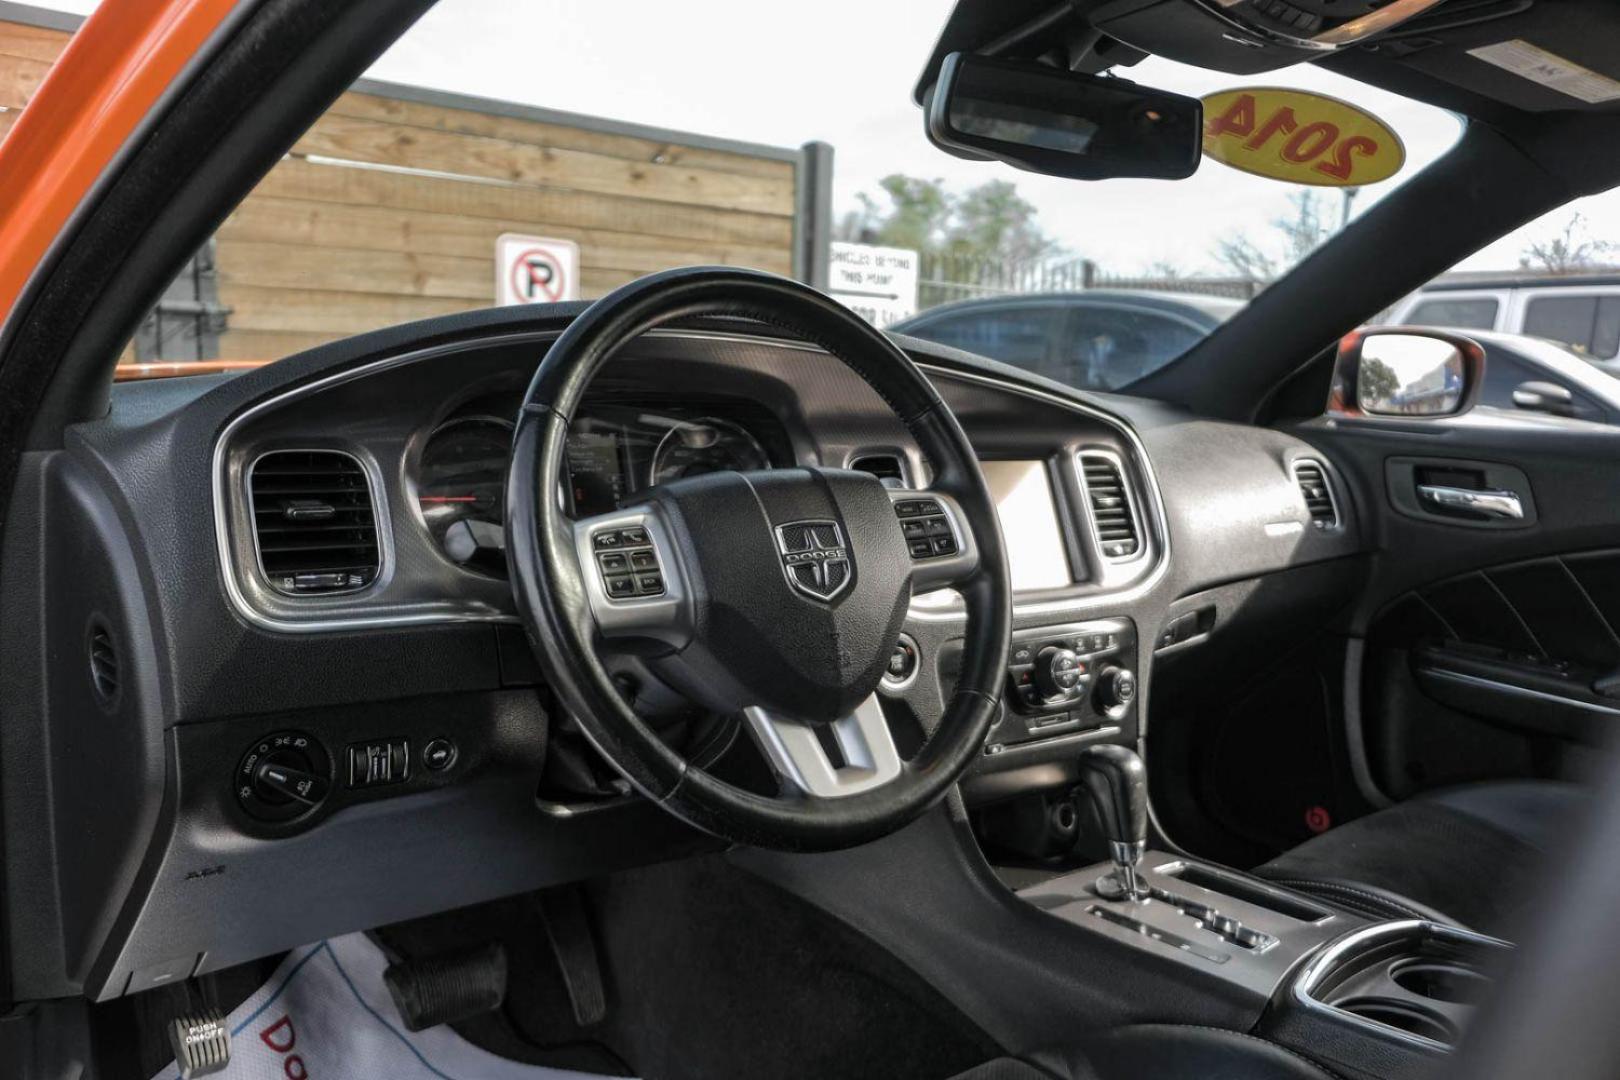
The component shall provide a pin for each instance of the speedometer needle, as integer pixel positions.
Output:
(448, 499)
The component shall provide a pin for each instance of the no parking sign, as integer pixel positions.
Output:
(535, 270)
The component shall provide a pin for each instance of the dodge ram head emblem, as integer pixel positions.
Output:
(815, 558)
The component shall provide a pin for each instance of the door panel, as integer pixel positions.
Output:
(1487, 641)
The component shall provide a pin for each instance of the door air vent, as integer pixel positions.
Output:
(103, 664)
(1318, 494)
(886, 467)
(1113, 514)
(314, 521)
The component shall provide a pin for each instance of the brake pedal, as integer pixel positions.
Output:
(448, 987)
(202, 1044)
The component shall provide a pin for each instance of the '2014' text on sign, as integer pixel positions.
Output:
(1299, 137)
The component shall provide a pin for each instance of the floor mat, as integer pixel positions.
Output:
(326, 1013)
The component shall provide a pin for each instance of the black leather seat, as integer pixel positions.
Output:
(1467, 855)
(1157, 1052)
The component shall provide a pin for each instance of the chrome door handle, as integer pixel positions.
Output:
(1495, 504)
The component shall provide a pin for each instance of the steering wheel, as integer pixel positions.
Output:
(778, 595)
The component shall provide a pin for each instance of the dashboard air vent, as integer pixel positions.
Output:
(314, 521)
(886, 467)
(1113, 515)
(1314, 486)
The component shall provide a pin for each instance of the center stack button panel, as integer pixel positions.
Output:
(1067, 679)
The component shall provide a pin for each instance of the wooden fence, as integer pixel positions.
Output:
(389, 207)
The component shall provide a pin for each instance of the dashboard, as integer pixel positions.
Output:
(306, 559)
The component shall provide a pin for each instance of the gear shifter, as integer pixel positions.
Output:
(1115, 781)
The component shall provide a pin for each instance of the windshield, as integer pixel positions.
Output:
(504, 153)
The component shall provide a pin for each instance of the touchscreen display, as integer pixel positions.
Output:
(1022, 491)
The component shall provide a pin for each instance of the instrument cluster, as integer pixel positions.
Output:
(617, 448)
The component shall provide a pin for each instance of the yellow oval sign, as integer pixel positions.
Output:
(1299, 137)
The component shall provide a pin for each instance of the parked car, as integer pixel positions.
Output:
(1101, 339)
(1582, 311)
(1107, 339)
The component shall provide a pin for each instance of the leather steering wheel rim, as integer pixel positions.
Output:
(550, 587)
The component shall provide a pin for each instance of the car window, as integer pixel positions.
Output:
(1589, 324)
(1018, 335)
(1473, 313)
(1105, 348)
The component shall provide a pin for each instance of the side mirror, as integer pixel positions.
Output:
(1049, 120)
(1407, 372)
(1544, 397)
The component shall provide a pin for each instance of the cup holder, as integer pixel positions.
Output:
(1440, 980)
(1402, 1015)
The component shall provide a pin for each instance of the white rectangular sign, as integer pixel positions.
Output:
(535, 269)
(878, 283)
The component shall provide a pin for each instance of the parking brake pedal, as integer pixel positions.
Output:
(202, 1044)
(448, 987)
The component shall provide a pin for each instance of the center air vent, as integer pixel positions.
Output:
(1314, 486)
(1113, 515)
(886, 467)
(314, 521)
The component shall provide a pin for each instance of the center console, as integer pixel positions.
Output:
(1382, 999)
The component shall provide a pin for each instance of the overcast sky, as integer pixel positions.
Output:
(842, 71)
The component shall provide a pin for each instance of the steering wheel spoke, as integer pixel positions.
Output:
(941, 545)
(796, 752)
(634, 580)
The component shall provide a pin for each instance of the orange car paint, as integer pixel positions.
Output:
(108, 79)
(171, 369)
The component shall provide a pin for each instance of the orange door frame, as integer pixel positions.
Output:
(110, 77)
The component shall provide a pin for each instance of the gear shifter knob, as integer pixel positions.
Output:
(1115, 781)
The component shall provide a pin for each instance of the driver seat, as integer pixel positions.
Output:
(1158, 1051)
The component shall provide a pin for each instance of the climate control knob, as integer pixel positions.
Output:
(1058, 672)
(1116, 688)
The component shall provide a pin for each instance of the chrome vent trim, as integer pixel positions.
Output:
(1116, 524)
(1311, 477)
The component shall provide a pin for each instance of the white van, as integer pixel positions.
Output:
(1582, 312)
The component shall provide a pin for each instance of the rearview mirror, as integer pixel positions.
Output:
(1405, 372)
(1049, 120)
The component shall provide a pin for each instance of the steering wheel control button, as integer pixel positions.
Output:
(283, 776)
(927, 531)
(628, 563)
(438, 755)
